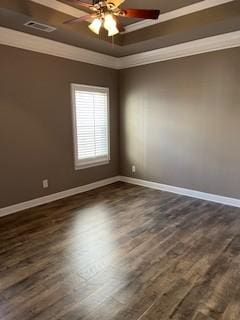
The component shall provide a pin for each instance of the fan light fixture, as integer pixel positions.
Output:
(106, 13)
(110, 25)
(95, 26)
(108, 22)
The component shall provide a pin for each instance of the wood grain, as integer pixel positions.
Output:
(121, 252)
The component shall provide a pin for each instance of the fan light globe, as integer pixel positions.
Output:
(110, 25)
(113, 32)
(95, 26)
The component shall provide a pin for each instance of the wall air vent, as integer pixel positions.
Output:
(39, 26)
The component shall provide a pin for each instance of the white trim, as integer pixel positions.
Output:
(61, 7)
(56, 196)
(92, 164)
(37, 44)
(96, 161)
(209, 44)
(148, 184)
(202, 5)
(30, 42)
(182, 191)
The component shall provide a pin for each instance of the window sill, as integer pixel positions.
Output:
(91, 165)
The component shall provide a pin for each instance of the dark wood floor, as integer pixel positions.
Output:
(121, 252)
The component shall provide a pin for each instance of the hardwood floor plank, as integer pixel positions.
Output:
(121, 252)
(201, 316)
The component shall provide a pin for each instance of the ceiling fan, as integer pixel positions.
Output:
(106, 12)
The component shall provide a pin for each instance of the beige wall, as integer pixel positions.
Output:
(36, 125)
(180, 122)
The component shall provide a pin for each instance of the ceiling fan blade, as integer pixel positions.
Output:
(120, 26)
(141, 13)
(81, 3)
(116, 3)
(77, 20)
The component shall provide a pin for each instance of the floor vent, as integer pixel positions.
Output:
(39, 26)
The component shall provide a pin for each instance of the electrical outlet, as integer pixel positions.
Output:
(133, 169)
(45, 184)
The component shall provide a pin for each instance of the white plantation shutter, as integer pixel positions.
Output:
(91, 125)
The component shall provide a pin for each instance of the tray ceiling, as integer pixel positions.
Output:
(182, 28)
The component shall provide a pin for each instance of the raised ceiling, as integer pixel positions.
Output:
(186, 26)
(163, 5)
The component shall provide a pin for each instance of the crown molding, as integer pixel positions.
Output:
(61, 7)
(202, 5)
(30, 42)
(209, 44)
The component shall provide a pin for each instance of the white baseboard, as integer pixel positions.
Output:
(56, 196)
(182, 191)
(153, 185)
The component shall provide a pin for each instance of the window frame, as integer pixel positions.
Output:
(96, 161)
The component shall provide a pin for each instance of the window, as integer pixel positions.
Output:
(91, 125)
